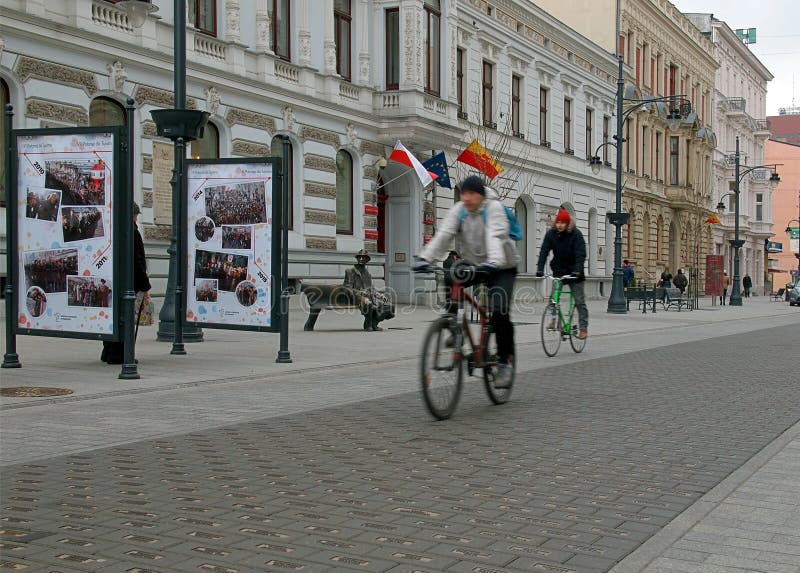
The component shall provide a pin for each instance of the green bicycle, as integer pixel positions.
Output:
(554, 327)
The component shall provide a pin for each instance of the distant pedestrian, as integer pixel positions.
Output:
(680, 281)
(627, 273)
(726, 282)
(452, 257)
(747, 284)
(666, 278)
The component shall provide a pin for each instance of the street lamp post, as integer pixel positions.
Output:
(677, 105)
(736, 243)
(181, 126)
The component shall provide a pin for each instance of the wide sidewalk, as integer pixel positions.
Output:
(227, 355)
(750, 515)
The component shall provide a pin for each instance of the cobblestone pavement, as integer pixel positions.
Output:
(588, 461)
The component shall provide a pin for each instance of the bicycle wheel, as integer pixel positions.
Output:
(490, 369)
(442, 368)
(578, 344)
(551, 329)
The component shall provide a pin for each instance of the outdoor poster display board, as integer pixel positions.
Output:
(715, 266)
(67, 183)
(232, 244)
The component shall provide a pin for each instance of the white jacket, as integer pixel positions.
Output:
(478, 241)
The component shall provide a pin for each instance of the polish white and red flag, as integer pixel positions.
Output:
(404, 156)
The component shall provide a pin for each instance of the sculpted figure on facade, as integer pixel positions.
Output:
(116, 76)
(212, 100)
(352, 135)
(288, 118)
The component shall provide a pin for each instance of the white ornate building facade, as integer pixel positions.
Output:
(740, 105)
(343, 79)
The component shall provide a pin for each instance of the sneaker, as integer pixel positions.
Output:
(551, 325)
(450, 342)
(583, 333)
(503, 376)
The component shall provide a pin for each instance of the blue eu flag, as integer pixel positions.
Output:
(438, 165)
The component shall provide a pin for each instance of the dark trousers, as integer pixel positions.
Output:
(501, 292)
(724, 296)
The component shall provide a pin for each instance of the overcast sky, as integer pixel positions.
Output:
(777, 39)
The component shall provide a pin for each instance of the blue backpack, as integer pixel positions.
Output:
(514, 228)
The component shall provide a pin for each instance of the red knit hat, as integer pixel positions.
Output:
(563, 216)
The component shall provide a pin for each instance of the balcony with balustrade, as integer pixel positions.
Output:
(409, 103)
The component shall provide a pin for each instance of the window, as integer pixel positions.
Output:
(687, 181)
(759, 206)
(703, 108)
(207, 147)
(205, 16)
(638, 66)
(393, 49)
(568, 126)
(488, 88)
(460, 55)
(628, 144)
(432, 30)
(589, 140)
(344, 193)
(105, 111)
(276, 150)
(342, 21)
(544, 117)
(673, 70)
(606, 126)
(673, 160)
(658, 156)
(516, 83)
(281, 22)
(645, 150)
(5, 99)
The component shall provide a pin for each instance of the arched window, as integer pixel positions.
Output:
(5, 98)
(276, 150)
(106, 111)
(630, 236)
(207, 147)
(521, 211)
(646, 240)
(344, 193)
(659, 240)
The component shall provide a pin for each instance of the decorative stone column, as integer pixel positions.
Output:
(329, 45)
(304, 35)
(232, 32)
(263, 27)
(411, 56)
(363, 56)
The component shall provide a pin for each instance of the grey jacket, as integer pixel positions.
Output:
(478, 241)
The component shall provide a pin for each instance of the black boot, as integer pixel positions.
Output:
(375, 321)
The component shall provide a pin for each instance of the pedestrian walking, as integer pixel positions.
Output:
(747, 284)
(680, 281)
(114, 352)
(726, 282)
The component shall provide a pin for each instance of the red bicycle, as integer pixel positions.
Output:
(444, 358)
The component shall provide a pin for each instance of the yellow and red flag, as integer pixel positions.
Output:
(713, 220)
(475, 155)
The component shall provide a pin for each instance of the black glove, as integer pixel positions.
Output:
(539, 274)
(421, 266)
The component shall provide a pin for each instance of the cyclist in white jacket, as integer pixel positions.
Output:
(480, 225)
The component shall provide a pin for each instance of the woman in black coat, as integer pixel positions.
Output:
(114, 352)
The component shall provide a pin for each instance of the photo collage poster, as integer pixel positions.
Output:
(229, 244)
(64, 213)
